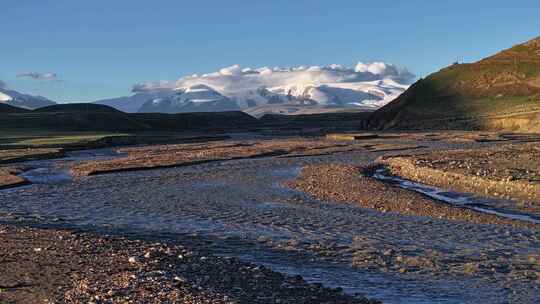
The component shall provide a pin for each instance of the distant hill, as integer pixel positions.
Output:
(101, 118)
(336, 120)
(94, 117)
(297, 109)
(71, 121)
(193, 121)
(78, 108)
(5, 108)
(501, 92)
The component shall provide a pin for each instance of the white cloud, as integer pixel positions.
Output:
(38, 76)
(378, 68)
(234, 70)
(155, 85)
(2, 84)
(235, 78)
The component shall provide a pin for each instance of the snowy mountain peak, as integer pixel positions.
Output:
(5, 97)
(234, 87)
(196, 98)
(21, 100)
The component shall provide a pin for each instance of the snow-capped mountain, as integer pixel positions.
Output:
(4, 97)
(197, 98)
(233, 88)
(21, 100)
(371, 93)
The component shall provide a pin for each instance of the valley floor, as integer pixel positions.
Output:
(262, 211)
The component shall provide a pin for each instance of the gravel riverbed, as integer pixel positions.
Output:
(240, 209)
(59, 266)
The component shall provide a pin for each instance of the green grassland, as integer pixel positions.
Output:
(40, 138)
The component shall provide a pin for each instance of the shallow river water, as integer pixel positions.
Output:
(465, 200)
(241, 208)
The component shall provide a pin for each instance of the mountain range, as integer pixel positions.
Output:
(265, 90)
(297, 90)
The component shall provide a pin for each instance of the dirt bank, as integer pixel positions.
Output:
(9, 178)
(344, 183)
(509, 172)
(19, 155)
(165, 156)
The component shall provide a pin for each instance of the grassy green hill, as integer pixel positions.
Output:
(501, 92)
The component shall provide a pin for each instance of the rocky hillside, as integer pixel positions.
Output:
(501, 92)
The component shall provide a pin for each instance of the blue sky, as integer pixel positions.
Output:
(102, 48)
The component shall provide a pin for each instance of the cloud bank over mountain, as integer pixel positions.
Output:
(234, 79)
